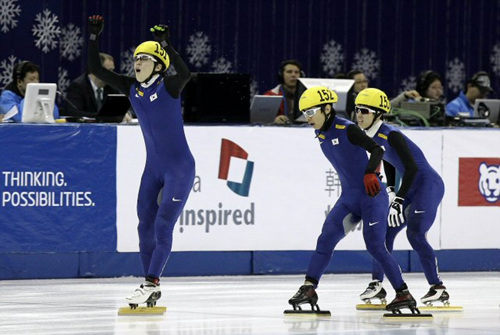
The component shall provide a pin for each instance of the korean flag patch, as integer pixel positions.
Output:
(335, 141)
(153, 97)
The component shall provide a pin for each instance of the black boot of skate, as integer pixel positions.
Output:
(306, 294)
(436, 293)
(403, 300)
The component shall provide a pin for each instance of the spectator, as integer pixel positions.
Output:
(360, 83)
(13, 95)
(478, 87)
(290, 71)
(430, 85)
(87, 93)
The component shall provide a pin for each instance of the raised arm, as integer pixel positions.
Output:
(119, 82)
(173, 84)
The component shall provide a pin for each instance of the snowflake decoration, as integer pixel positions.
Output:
(46, 31)
(198, 49)
(71, 42)
(408, 84)
(495, 59)
(332, 58)
(6, 70)
(222, 65)
(63, 80)
(367, 62)
(8, 12)
(127, 62)
(455, 75)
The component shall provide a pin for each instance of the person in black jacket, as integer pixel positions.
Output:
(87, 93)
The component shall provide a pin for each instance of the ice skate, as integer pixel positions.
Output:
(437, 293)
(373, 291)
(404, 300)
(305, 294)
(147, 293)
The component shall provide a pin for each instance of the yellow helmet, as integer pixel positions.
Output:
(316, 96)
(375, 99)
(154, 49)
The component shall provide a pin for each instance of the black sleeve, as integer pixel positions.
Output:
(174, 84)
(358, 137)
(117, 81)
(390, 174)
(398, 142)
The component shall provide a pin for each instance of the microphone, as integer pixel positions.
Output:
(67, 101)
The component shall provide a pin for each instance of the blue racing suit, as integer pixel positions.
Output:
(422, 190)
(345, 146)
(170, 167)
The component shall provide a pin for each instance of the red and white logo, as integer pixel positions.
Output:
(479, 182)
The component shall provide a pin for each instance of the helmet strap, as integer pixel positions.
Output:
(375, 118)
(328, 118)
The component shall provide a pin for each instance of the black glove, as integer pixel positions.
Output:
(96, 25)
(161, 34)
(396, 217)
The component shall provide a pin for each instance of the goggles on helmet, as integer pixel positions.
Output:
(364, 110)
(311, 111)
(144, 57)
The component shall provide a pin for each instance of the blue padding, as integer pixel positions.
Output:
(208, 263)
(40, 266)
(205, 263)
(288, 262)
(462, 260)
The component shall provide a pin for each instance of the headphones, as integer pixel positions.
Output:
(424, 80)
(19, 70)
(281, 80)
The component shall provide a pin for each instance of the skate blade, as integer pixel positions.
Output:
(441, 308)
(371, 307)
(306, 313)
(158, 310)
(407, 316)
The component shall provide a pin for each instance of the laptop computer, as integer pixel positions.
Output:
(488, 109)
(114, 108)
(264, 108)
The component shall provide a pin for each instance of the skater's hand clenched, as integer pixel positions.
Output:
(96, 25)
(161, 34)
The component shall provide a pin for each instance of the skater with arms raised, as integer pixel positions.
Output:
(169, 171)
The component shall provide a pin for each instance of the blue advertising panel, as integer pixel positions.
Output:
(57, 188)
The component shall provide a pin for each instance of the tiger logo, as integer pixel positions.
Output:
(489, 182)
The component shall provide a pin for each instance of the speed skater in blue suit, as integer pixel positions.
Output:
(170, 167)
(415, 203)
(345, 145)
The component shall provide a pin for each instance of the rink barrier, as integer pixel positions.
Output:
(194, 263)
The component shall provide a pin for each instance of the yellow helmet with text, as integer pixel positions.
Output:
(375, 99)
(316, 96)
(154, 49)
